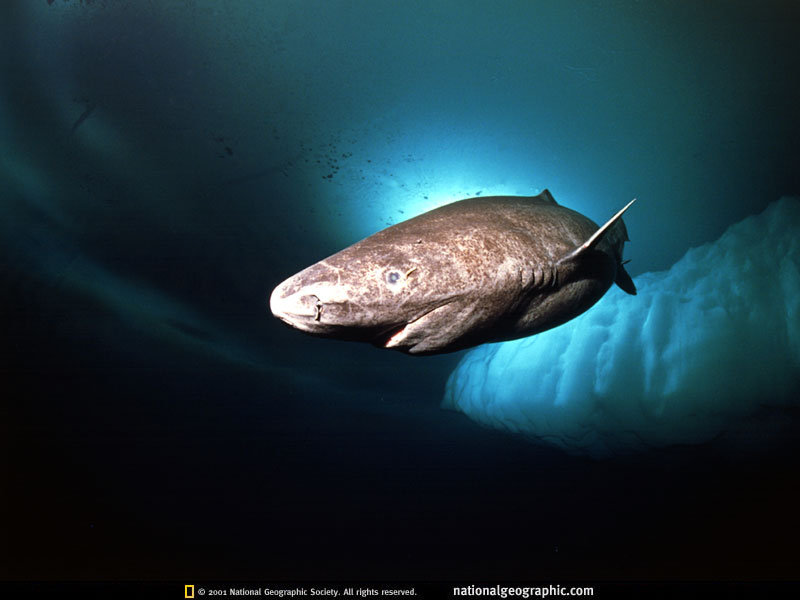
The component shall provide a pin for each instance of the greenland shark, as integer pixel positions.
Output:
(479, 270)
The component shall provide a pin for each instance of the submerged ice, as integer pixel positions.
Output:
(707, 348)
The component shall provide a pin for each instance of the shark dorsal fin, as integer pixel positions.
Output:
(596, 236)
(546, 196)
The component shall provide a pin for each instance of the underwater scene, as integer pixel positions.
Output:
(494, 391)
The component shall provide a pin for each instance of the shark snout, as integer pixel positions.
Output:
(318, 302)
(295, 308)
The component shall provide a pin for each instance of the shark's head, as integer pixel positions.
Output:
(368, 292)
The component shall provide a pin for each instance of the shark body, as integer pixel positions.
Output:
(479, 270)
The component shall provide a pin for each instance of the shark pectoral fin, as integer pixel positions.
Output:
(624, 281)
(394, 340)
(596, 236)
(418, 335)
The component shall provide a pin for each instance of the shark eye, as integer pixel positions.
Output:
(392, 277)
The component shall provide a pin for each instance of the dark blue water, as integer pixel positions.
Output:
(164, 165)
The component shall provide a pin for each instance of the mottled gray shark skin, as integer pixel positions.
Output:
(475, 271)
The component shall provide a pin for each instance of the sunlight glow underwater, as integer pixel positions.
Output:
(709, 347)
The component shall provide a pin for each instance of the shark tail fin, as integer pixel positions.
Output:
(622, 279)
(597, 236)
